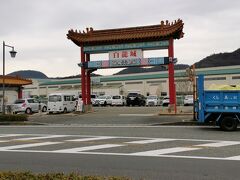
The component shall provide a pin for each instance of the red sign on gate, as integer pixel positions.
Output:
(126, 54)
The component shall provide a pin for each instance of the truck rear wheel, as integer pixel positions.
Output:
(228, 124)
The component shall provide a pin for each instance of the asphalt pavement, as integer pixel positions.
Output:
(134, 116)
(149, 152)
(124, 141)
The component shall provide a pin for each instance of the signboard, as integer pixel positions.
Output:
(126, 54)
(118, 63)
(116, 47)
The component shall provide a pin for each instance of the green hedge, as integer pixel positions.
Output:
(13, 117)
(53, 176)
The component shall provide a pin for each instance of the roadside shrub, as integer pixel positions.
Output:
(13, 117)
(53, 176)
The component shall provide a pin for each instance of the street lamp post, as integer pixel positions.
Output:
(13, 54)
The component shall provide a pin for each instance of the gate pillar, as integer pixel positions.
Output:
(88, 82)
(172, 90)
(83, 77)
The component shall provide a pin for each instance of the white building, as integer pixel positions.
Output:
(144, 83)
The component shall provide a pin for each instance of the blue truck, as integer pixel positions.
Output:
(221, 106)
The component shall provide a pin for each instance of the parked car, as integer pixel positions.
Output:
(135, 99)
(28, 105)
(119, 100)
(188, 100)
(93, 99)
(61, 102)
(103, 100)
(165, 101)
(153, 100)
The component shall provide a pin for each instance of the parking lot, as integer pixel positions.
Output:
(110, 115)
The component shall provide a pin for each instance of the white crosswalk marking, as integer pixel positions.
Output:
(233, 158)
(73, 144)
(3, 141)
(150, 141)
(91, 139)
(27, 145)
(87, 148)
(11, 135)
(42, 137)
(135, 115)
(219, 144)
(164, 151)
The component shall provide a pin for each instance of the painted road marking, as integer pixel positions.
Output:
(150, 141)
(137, 115)
(91, 139)
(234, 158)
(164, 151)
(3, 141)
(87, 148)
(4, 148)
(42, 137)
(11, 135)
(219, 144)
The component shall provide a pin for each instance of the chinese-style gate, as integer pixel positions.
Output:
(124, 44)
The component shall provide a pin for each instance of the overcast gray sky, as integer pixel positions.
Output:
(38, 28)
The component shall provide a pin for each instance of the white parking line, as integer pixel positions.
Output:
(91, 139)
(219, 144)
(164, 151)
(42, 137)
(151, 141)
(87, 148)
(5, 148)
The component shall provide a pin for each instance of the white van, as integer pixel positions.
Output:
(61, 102)
(119, 100)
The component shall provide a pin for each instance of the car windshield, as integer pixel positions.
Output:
(93, 96)
(116, 97)
(152, 97)
(132, 94)
(54, 98)
(189, 97)
(102, 97)
(19, 101)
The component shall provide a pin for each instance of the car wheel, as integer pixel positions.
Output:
(28, 111)
(44, 109)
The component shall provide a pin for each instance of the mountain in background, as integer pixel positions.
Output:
(221, 59)
(215, 60)
(29, 74)
(76, 76)
(151, 69)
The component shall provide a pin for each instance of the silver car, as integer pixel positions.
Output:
(28, 106)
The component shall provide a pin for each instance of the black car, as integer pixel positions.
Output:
(135, 99)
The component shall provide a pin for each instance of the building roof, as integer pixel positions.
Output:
(15, 81)
(162, 31)
(154, 75)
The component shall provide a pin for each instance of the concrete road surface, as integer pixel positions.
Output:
(147, 152)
